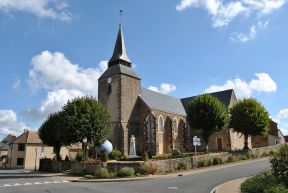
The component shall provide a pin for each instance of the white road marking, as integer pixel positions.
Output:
(35, 183)
(172, 188)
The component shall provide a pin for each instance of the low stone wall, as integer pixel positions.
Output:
(166, 165)
(192, 162)
(114, 166)
(47, 165)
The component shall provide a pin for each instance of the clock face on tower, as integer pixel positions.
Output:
(109, 80)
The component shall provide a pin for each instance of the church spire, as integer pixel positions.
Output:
(119, 55)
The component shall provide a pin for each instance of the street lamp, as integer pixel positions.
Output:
(84, 154)
(35, 158)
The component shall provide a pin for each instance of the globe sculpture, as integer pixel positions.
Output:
(106, 146)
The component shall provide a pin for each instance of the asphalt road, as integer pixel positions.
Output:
(202, 182)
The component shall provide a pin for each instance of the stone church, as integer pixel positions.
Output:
(157, 121)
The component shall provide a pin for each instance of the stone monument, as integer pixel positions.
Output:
(132, 149)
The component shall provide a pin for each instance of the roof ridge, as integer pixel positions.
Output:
(160, 93)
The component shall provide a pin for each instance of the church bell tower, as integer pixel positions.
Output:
(118, 90)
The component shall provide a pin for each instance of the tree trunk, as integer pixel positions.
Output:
(57, 152)
(245, 142)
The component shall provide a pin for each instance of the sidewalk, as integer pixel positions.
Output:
(232, 186)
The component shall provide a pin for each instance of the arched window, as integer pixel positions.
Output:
(160, 124)
(150, 128)
(175, 126)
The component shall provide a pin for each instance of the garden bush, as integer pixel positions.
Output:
(149, 168)
(277, 189)
(116, 154)
(217, 160)
(232, 158)
(102, 172)
(279, 164)
(183, 166)
(79, 155)
(126, 172)
(258, 183)
(145, 156)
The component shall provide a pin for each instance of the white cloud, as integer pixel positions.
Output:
(243, 89)
(52, 103)
(165, 88)
(283, 114)
(281, 120)
(254, 29)
(17, 84)
(63, 81)
(9, 123)
(223, 12)
(52, 71)
(55, 9)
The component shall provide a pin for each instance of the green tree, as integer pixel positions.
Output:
(52, 132)
(86, 118)
(249, 117)
(207, 113)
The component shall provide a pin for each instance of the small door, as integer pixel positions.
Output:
(219, 144)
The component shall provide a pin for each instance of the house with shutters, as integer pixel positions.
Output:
(157, 121)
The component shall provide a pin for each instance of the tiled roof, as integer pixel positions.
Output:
(162, 102)
(29, 137)
(223, 96)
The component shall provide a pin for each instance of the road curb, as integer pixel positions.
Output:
(115, 179)
(236, 183)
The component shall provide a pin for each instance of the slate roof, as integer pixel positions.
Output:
(119, 69)
(29, 137)
(4, 144)
(119, 53)
(162, 102)
(224, 96)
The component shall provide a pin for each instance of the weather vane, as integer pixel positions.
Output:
(120, 17)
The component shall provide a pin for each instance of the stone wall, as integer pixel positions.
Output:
(167, 165)
(90, 168)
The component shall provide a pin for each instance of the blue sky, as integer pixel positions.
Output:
(54, 50)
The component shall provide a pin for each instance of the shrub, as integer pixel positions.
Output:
(145, 156)
(126, 172)
(208, 162)
(258, 183)
(272, 152)
(148, 168)
(102, 172)
(201, 163)
(105, 156)
(116, 154)
(232, 158)
(205, 162)
(265, 154)
(277, 189)
(182, 166)
(217, 160)
(279, 164)
(79, 156)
